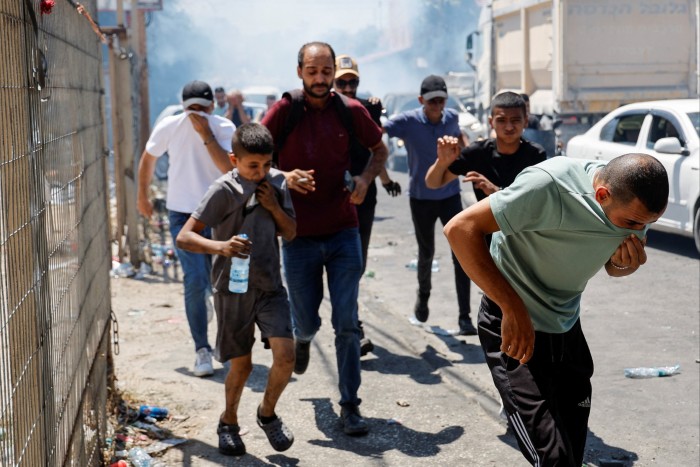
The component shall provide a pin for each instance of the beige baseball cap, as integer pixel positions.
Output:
(345, 64)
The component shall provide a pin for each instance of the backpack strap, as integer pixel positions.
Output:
(343, 107)
(296, 112)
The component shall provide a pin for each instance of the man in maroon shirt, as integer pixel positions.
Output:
(315, 155)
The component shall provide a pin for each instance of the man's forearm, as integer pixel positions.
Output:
(466, 237)
(434, 178)
(376, 162)
(147, 166)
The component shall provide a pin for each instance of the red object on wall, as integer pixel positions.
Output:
(47, 6)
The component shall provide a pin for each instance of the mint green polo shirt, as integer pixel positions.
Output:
(554, 237)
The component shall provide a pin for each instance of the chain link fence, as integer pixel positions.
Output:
(55, 254)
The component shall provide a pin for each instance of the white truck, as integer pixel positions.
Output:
(580, 59)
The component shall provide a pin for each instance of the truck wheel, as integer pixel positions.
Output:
(696, 229)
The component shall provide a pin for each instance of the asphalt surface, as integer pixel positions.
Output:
(427, 394)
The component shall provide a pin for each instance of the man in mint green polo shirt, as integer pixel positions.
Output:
(554, 228)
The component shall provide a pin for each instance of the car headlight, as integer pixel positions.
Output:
(476, 126)
(400, 143)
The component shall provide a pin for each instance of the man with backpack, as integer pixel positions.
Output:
(313, 130)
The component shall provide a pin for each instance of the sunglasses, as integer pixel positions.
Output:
(341, 83)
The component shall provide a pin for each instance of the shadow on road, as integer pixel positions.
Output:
(385, 435)
(676, 244)
(471, 353)
(597, 452)
(197, 450)
(414, 367)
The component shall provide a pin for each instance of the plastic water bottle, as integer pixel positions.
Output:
(139, 457)
(652, 372)
(238, 278)
(152, 411)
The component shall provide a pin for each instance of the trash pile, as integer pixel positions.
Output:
(140, 437)
(163, 255)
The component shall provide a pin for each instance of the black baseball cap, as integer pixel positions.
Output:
(433, 86)
(197, 92)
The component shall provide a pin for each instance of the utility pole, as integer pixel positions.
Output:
(139, 39)
(126, 141)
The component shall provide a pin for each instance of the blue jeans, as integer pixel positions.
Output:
(196, 269)
(340, 254)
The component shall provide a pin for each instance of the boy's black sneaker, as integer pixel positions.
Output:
(230, 442)
(302, 350)
(366, 346)
(421, 310)
(468, 329)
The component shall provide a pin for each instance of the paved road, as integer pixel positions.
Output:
(428, 395)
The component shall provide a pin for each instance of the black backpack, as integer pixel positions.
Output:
(296, 113)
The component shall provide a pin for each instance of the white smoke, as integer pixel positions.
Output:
(237, 43)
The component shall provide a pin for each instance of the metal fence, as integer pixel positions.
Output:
(54, 238)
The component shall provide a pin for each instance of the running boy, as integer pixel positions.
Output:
(251, 199)
(491, 164)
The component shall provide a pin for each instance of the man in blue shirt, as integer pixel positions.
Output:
(420, 129)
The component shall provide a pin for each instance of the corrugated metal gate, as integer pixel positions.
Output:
(54, 247)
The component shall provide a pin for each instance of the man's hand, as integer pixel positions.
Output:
(201, 126)
(373, 100)
(144, 205)
(481, 183)
(301, 181)
(517, 335)
(628, 257)
(266, 196)
(447, 150)
(358, 194)
(392, 187)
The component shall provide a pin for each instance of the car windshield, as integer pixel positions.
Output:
(695, 121)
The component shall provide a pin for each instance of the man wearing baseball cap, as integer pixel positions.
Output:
(197, 144)
(347, 79)
(419, 129)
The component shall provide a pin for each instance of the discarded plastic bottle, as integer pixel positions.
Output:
(238, 278)
(413, 265)
(652, 372)
(139, 457)
(158, 413)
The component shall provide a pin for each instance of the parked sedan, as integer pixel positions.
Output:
(668, 130)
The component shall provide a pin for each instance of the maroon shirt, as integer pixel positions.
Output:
(320, 141)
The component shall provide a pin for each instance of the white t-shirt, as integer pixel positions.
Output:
(191, 169)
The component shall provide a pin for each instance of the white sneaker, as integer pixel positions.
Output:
(202, 364)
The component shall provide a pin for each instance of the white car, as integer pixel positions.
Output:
(258, 94)
(668, 130)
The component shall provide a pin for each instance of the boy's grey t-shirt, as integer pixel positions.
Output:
(224, 209)
(554, 237)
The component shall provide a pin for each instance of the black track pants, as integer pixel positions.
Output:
(547, 400)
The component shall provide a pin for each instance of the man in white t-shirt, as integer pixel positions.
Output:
(198, 144)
